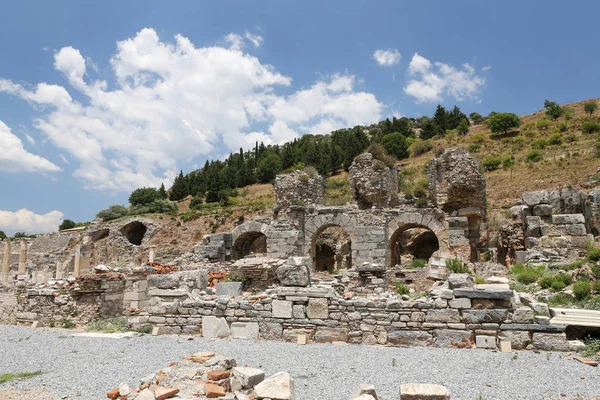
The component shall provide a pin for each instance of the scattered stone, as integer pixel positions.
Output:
(248, 377)
(213, 391)
(365, 389)
(277, 387)
(217, 375)
(422, 391)
(587, 361)
(164, 392)
(113, 394)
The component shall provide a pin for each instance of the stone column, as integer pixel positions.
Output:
(77, 261)
(5, 262)
(151, 254)
(22, 257)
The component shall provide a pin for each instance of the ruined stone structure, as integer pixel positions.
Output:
(298, 188)
(372, 183)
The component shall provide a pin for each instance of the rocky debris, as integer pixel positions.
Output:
(372, 183)
(587, 361)
(299, 188)
(456, 281)
(365, 392)
(162, 268)
(456, 181)
(205, 375)
(295, 272)
(422, 391)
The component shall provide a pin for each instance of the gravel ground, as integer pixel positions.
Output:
(92, 366)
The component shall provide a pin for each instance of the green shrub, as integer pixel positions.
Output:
(564, 278)
(539, 144)
(582, 289)
(157, 206)
(534, 156)
(417, 263)
(590, 127)
(592, 347)
(530, 133)
(109, 325)
(474, 147)
(593, 303)
(573, 265)
(570, 138)
(528, 276)
(402, 289)
(491, 163)
(67, 323)
(144, 196)
(563, 127)
(146, 328)
(555, 139)
(558, 285)
(379, 153)
(112, 213)
(420, 146)
(559, 300)
(478, 138)
(479, 280)
(508, 162)
(596, 271)
(543, 124)
(546, 282)
(197, 201)
(456, 266)
(593, 251)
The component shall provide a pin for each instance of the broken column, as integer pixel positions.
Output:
(76, 266)
(22, 257)
(151, 254)
(5, 262)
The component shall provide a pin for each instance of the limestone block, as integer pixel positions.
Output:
(505, 346)
(568, 219)
(460, 303)
(317, 309)
(532, 199)
(484, 316)
(456, 281)
(271, 330)
(452, 338)
(328, 335)
(485, 342)
(447, 315)
(423, 391)
(298, 312)
(244, 330)
(523, 315)
(230, 289)
(550, 341)
(540, 309)
(365, 389)
(213, 327)
(248, 377)
(484, 294)
(542, 210)
(293, 275)
(279, 386)
(281, 309)
(410, 338)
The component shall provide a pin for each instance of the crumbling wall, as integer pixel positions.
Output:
(298, 188)
(372, 183)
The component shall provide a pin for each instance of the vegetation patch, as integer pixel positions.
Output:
(20, 375)
(109, 325)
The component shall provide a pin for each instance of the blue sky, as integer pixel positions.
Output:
(97, 98)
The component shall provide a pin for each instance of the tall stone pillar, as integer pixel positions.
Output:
(22, 257)
(76, 266)
(5, 262)
(151, 254)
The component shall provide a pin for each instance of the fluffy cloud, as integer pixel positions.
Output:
(172, 102)
(14, 157)
(430, 82)
(387, 57)
(27, 221)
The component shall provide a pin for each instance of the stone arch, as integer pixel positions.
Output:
(134, 232)
(315, 226)
(434, 236)
(250, 237)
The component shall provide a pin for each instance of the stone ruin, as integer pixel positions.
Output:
(322, 274)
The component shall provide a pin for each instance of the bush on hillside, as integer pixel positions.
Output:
(395, 145)
(379, 153)
(111, 213)
(539, 144)
(503, 122)
(491, 163)
(156, 207)
(476, 118)
(582, 289)
(590, 127)
(543, 124)
(563, 127)
(555, 139)
(534, 156)
(143, 196)
(420, 146)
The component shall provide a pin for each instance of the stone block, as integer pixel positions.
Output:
(423, 391)
(532, 199)
(279, 386)
(230, 289)
(485, 342)
(328, 335)
(410, 338)
(452, 338)
(248, 377)
(540, 309)
(293, 275)
(213, 327)
(271, 330)
(456, 281)
(517, 339)
(523, 315)
(447, 315)
(244, 330)
(550, 341)
(542, 210)
(156, 331)
(568, 219)
(281, 309)
(317, 309)
(484, 294)
(460, 303)
(484, 316)
(505, 346)
(302, 339)
(298, 311)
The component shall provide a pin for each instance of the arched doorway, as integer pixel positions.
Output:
(248, 243)
(331, 249)
(412, 242)
(134, 232)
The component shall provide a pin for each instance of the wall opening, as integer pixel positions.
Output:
(134, 232)
(248, 243)
(331, 249)
(412, 243)
(99, 234)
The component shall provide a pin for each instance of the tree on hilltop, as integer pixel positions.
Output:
(553, 109)
(503, 122)
(590, 107)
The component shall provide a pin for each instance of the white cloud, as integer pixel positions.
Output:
(30, 139)
(172, 102)
(63, 158)
(27, 221)
(14, 157)
(255, 39)
(387, 57)
(486, 68)
(431, 82)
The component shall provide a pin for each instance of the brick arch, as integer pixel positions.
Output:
(242, 236)
(317, 224)
(416, 220)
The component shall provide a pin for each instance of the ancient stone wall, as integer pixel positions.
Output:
(372, 183)
(458, 317)
(299, 188)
